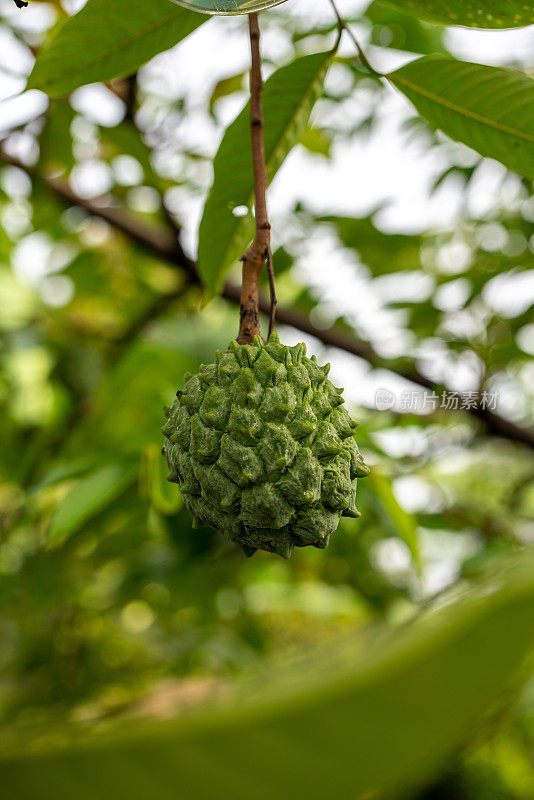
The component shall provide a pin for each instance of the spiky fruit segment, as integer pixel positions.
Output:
(262, 448)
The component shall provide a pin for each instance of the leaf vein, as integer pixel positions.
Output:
(460, 109)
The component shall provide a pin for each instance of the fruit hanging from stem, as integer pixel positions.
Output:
(262, 448)
(259, 441)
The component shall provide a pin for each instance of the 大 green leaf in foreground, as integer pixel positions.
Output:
(486, 108)
(89, 496)
(289, 97)
(109, 40)
(469, 13)
(376, 717)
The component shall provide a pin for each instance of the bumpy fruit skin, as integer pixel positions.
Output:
(263, 450)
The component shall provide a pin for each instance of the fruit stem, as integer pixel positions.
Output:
(260, 250)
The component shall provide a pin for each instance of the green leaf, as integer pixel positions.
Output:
(383, 253)
(488, 109)
(63, 471)
(89, 496)
(469, 13)
(109, 40)
(403, 32)
(316, 141)
(126, 138)
(289, 97)
(55, 142)
(403, 523)
(164, 496)
(226, 87)
(375, 716)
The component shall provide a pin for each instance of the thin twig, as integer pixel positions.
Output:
(254, 259)
(272, 291)
(342, 25)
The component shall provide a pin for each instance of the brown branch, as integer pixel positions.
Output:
(254, 259)
(126, 90)
(164, 244)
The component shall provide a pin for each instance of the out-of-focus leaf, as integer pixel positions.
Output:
(175, 347)
(397, 705)
(164, 496)
(469, 13)
(18, 302)
(488, 109)
(55, 143)
(282, 262)
(392, 28)
(464, 173)
(226, 87)
(382, 252)
(109, 40)
(290, 94)
(404, 524)
(126, 139)
(316, 141)
(423, 318)
(64, 471)
(89, 496)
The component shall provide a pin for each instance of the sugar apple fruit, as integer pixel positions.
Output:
(263, 450)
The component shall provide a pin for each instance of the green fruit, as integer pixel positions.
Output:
(262, 448)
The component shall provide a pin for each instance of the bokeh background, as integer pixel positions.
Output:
(403, 246)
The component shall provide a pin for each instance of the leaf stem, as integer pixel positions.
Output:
(259, 252)
(342, 25)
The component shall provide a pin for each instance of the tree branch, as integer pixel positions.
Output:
(164, 245)
(254, 259)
